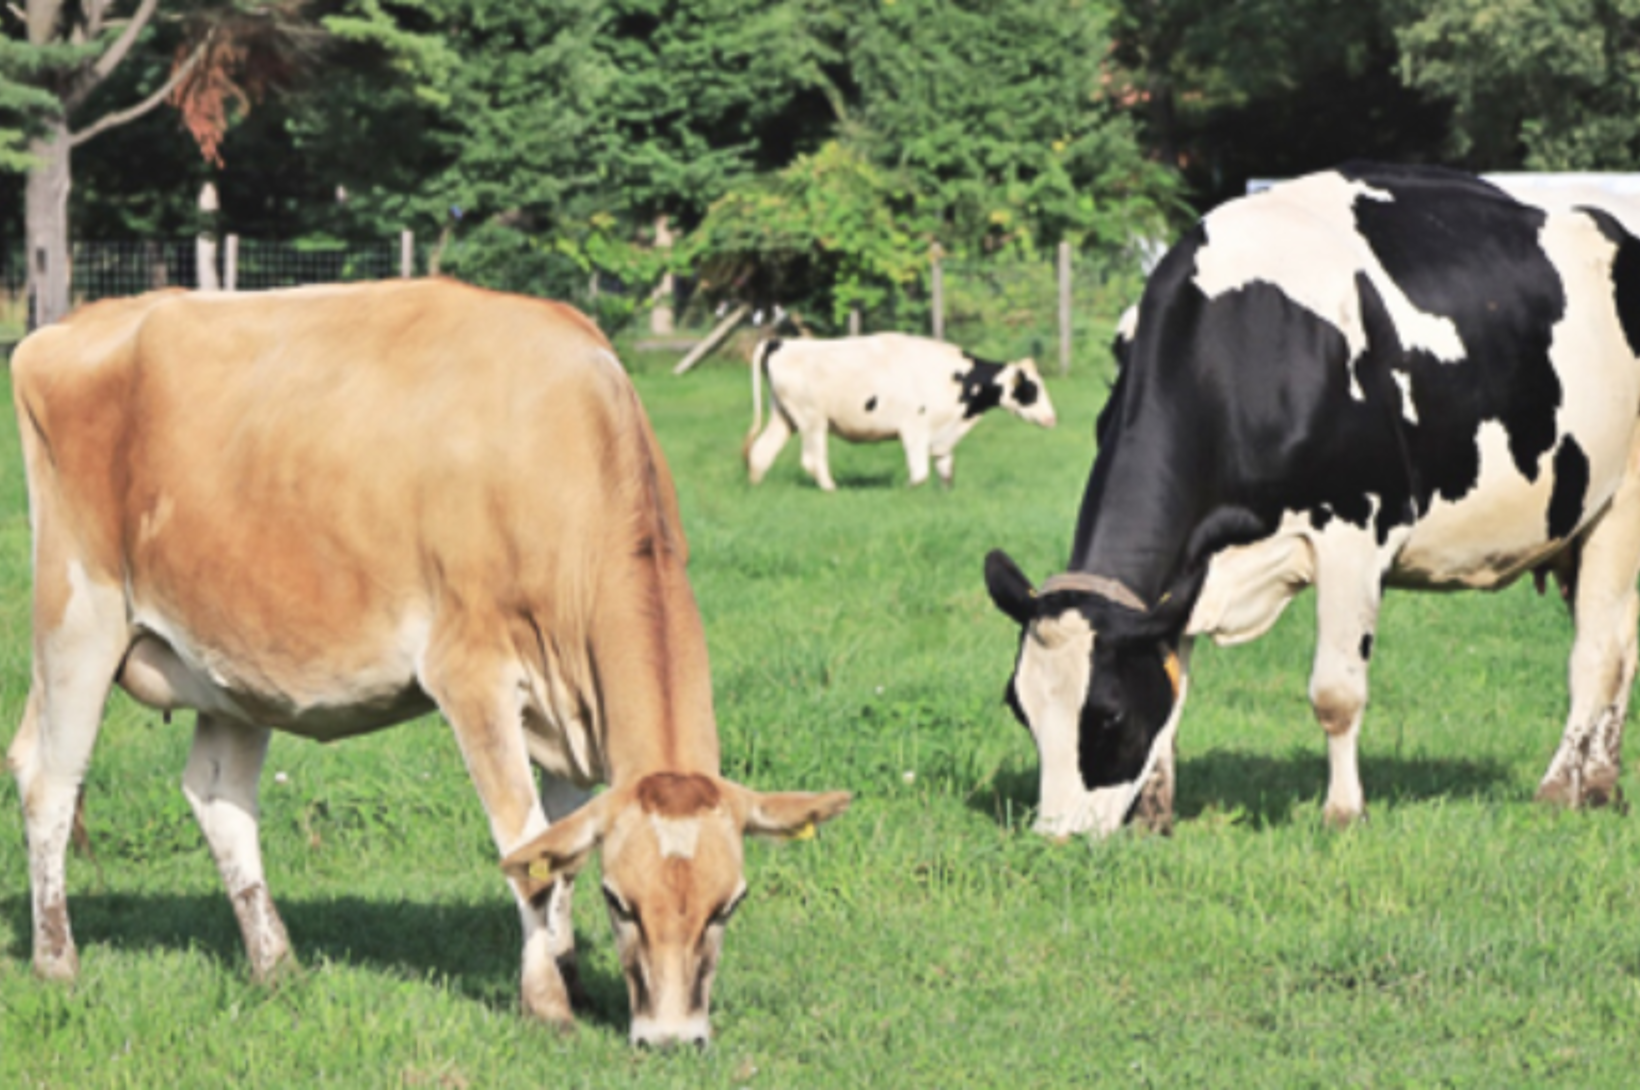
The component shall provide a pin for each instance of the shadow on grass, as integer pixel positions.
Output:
(879, 481)
(1271, 790)
(475, 947)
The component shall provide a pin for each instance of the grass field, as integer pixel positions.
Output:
(1462, 937)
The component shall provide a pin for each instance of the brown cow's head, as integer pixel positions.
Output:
(672, 869)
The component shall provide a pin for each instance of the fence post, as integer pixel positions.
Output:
(407, 253)
(230, 263)
(662, 320)
(937, 289)
(853, 321)
(205, 242)
(1064, 307)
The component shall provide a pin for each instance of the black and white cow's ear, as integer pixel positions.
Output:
(1010, 589)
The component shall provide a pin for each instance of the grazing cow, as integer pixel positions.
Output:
(1369, 377)
(925, 393)
(328, 510)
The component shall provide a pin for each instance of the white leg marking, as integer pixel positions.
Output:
(74, 668)
(220, 783)
(1348, 593)
(767, 446)
(814, 455)
(1601, 672)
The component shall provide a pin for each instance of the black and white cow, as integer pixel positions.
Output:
(925, 393)
(1375, 376)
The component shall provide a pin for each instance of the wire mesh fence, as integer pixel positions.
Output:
(1009, 309)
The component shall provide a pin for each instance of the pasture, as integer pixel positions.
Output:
(1462, 937)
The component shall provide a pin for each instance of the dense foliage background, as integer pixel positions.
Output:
(808, 151)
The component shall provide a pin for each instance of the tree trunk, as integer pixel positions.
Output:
(46, 212)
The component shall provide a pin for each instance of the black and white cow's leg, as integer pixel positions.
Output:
(220, 782)
(476, 688)
(552, 914)
(815, 463)
(75, 659)
(915, 440)
(762, 452)
(1605, 608)
(945, 464)
(1348, 592)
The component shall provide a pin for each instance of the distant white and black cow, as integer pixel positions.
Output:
(1375, 376)
(925, 393)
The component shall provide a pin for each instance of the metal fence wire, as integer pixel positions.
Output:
(1005, 310)
(104, 269)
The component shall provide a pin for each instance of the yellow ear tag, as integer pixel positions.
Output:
(805, 833)
(541, 870)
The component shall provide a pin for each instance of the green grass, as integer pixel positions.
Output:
(1463, 937)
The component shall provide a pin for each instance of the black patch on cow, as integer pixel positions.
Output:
(871, 403)
(773, 344)
(1320, 516)
(1025, 391)
(980, 389)
(1366, 646)
(1625, 275)
(1462, 250)
(1571, 485)
(1129, 700)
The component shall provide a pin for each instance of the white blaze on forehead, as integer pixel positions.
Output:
(677, 836)
(1276, 237)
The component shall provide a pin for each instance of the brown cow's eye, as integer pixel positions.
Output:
(617, 907)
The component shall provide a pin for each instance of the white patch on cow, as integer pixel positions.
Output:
(1127, 326)
(1301, 238)
(677, 836)
(1408, 409)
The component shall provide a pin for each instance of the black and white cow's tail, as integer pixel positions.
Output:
(760, 360)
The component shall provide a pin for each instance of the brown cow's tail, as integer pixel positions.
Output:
(760, 357)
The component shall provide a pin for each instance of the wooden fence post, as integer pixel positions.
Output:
(230, 263)
(853, 321)
(205, 278)
(937, 289)
(1064, 307)
(407, 254)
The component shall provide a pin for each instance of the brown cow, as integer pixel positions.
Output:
(328, 510)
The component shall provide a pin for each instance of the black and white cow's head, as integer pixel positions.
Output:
(1097, 683)
(1015, 386)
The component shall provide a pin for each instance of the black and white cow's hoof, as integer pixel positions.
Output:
(1340, 817)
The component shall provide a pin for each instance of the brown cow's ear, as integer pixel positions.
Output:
(791, 814)
(561, 850)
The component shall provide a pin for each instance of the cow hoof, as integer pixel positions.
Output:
(60, 968)
(546, 999)
(1600, 789)
(280, 970)
(1558, 793)
(1339, 817)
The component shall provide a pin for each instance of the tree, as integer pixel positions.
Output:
(830, 231)
(72, 51)
(996, 111)
(1546, 86)
(1267, 88)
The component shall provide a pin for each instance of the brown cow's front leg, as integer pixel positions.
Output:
(474, 690)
